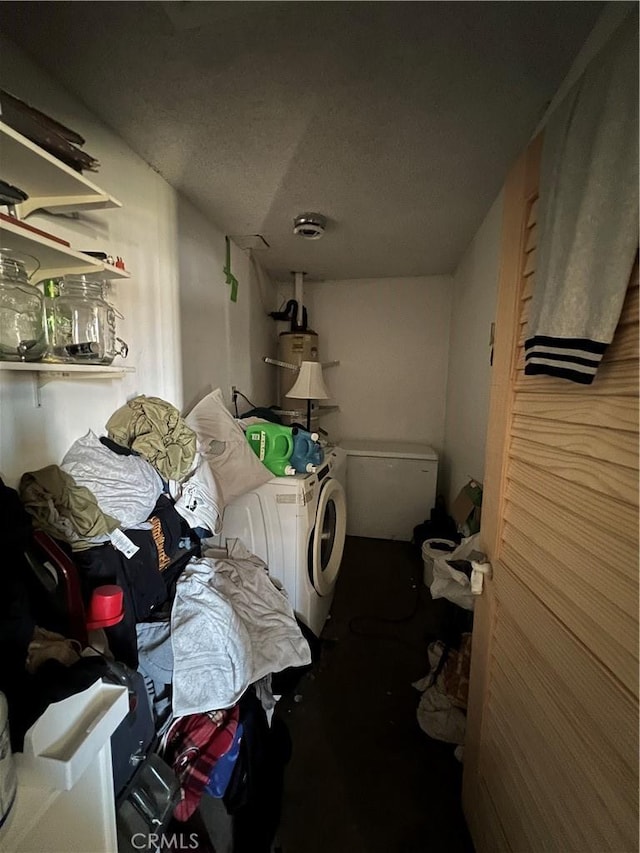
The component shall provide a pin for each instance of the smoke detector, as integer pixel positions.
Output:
(310, 225)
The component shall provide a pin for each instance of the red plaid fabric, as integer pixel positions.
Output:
(192, 746)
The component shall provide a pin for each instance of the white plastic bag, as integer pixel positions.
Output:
(125, 487)
(448, 582)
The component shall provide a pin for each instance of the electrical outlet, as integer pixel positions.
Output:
(234, 391)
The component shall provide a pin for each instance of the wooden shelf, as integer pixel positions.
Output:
(55, 258)
(43, 372)
(108, 371)
(49, 183)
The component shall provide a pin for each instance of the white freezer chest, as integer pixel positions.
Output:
(391, 487)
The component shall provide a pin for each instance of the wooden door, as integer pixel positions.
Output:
(551, 758)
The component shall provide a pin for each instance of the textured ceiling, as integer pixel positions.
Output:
(397, 121)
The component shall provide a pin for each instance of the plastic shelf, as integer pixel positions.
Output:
(65, 798)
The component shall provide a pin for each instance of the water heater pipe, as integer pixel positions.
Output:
(297, 295)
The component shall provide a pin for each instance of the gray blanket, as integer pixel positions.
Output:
(230, 626)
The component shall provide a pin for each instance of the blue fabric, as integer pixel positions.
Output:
(202, 532)
(221, 773)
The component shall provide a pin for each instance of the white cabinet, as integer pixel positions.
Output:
(391, 487)
(65, 800)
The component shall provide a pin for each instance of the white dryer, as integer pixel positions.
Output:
(297, 525)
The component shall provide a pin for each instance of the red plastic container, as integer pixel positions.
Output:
(106, 607)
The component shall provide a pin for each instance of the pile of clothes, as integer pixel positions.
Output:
(227, 631)
(204, 628)
(445, 691)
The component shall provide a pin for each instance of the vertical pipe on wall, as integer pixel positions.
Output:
(297, 295)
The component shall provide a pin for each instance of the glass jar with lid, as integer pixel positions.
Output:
(81, 321)
(22, 333)
(114, 345)
(51, 292)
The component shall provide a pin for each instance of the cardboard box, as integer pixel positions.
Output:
(466, 508)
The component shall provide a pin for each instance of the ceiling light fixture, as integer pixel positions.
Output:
(310, 225)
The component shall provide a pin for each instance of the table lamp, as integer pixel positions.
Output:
(309, 386)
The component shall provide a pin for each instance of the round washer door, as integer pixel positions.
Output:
(327, 543)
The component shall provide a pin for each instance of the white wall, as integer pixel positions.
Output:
(175, 256)
(473, 310)
(391, 337)
(223, 342)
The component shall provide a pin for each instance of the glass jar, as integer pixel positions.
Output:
(81, 321)
(22, 334)
(115, 345)
(51, 292)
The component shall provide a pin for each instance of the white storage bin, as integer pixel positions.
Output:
(391, 487)
(432, 548)
(62, 743)
(65, 798)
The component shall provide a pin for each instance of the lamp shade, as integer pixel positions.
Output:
(309, 385)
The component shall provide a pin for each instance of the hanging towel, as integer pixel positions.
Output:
(588, 216)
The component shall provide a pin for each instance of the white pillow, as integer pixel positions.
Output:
(222, 443)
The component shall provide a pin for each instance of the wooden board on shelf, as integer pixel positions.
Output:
(49, 182)
(55, 259)
(62, 368)
(30, 229)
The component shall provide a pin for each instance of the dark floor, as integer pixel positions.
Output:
(364, 778)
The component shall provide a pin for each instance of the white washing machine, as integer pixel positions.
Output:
(297, 525)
